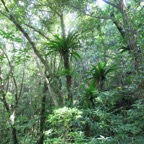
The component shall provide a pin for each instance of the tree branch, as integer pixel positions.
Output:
(22, 83)
(11, 18)
(14, 80)
(90, 15)
(112, 4)
(3, 99)
(47, 82)
(38, 31)
(119, 27)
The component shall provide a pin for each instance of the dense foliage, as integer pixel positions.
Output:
(71, 72)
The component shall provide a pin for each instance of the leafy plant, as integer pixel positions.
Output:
(88, 99)
(63, 121)
(98, 74)
(65, 46)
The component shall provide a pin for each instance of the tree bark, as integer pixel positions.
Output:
(14, 135)
(68, 79)
(43, 115)
(128, 33)
(66, 64)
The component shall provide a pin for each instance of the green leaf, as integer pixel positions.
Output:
(76, 55)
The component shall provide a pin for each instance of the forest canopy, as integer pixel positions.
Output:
(71, 71)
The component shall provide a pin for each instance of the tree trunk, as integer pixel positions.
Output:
(42, 115)
(66, 64)
(87, 130)
(14, 135)
(127, 32)
(68, 79)
(62, 25)
(130, 36)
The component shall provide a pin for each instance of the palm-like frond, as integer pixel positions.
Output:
(64, 46)
(100, 71)
(56, 45)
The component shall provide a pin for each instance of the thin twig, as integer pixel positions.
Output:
(38, 31)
